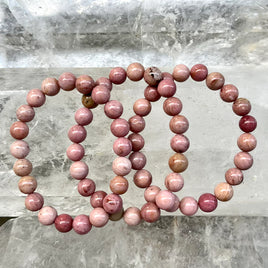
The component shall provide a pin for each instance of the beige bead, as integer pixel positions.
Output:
(178, 163)
(223, 191)
(27, 184)
(22, 167)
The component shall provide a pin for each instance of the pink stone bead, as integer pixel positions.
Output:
(137, 142)
(19, 130)
(119, 185)
(138, 160)
(136, 123)
(178, 124)
(241, 106)
(229, 93)
(132, 216)
(84, 84)
(83, 116)
(25, 113)
(166, 75)
(172, 106)
(243, 160)
(150, 212)
(98, 217)
(64, 223)
(207, 202)
(77, 133)
(67, 81)
(152, 76)
(103, 81)
(118, 75)
(167, 88)
(181, 73)
(151, 192)
(81, 224)
(175, 206)
(113, 109)
(19, 149)
(36, 98)
(121, 166)
(135, 71)
(247, 123)
(79, 170)
(165, 200)
(215, 81)
(199, 72)
(120, 127)
(47, 215)
(100, 94)
(75, 152)
(96, 199)
(174, 182)
(247, 142)
(180, 143)
(151, 94)
(22, 167)
(86, 187)
(50, 86)
(122, 146)
(142, 107)
(234, 176)
(27, 184)
(34, 201)
(112, 203)
(142, 178)
(188, 206)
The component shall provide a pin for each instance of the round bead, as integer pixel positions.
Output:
(223, 191)
(119, 185)
(64, 223)
(86, 187)
(19, 130)
(96, 199)
(19, 149)
(142, 107)
(150, 212)
(181, 73)
(243, 160)
(83, 116)
(118, 75)
(81, 224)
(50, 86)
(207, 202)
(22, 167)
(152, 76)
(25, 113)
(241, 106)
(179, 143)
(165, 200)
(119, 127)
(188, 206)
(113, 109)
(135, 71)
(136, 123)
(100, 94)
(36, 98)
(215, 81)
(175, 206)
(103, 81)
(167, 88)
(79, 170)
(166, 75)
(142, 178)
(34, 201)
(178, 163)
(246, 142)
(67, 81)
(112, 203)
(229, 93)
(247, 123)
(174, 182)
(27, 184)
(77, 133)
(47, 215)
(138, 160)
(132, 216)
(151, 94)
(199, 72)
(151, 192)
(84, 84)
(172, 106)
(178, 124)
(121, 166)
(88, 102)
(98, 217)
(137, 142)
(122, 146)
(234, 176)
(117, 216)
(75, 152)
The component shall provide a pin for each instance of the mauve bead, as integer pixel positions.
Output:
(166, 75)
(79, 170)
(199, 72)
(113, 109)
(98, 217)
(135, 71)
(179, 143)
(86, 187)
(175, 206)
(96, 199)
(122, 146)
(19, 149)
(151, 192)
(64, 223)
(188, 206)
(34, 201)
(81, 224)
(234, 176)
(178, 163)
(136, 123)
(120, 127)
(19, 130)
(178, 124)
(47, 215)
(103, 81)
(247, 123)
(77, 133)
(165, 200)
(67, 81)
(121, 166)
(142, 107)
(243, 160)
(117, 216)
(50, 86)
(152, 76)
(119, 185)
(118, 75)
(22, 167)
(27, 184)
(241, 106)
(207, 202)
(75, 152)
(112, 203)
(88, 102)
(215, 81)
(36, 98)
(137, 142)
(174, 182)
(150, 212)
(229, 93)
(223, 191)
(151, 94)
(181, 73)
(172, 106)
(167, 88)
(100, 94)
(83, 116)
(138, 160)
(25, 113)
(84, 84)
(132, 216)
(247, 142)
(142, 178)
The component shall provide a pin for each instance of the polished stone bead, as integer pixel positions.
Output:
(34, 201)
(247, 123)
(247, 142)
(84, 84)
(121, 166)
(77, 133)
(142, 178)
(83, 116)
(132, 216)
(181, 73)
(178, 124)
(215, 81)
(243, 160)
(50, 86)
(122, 146)
(81, 224)
(138, 160)
(119, 185)
(25, 113)
(151, 94)
(142, 107)
(120, 127)
(135, 71)
(150, 212)
(152, 76)
(36, 98)
(86, 187)
(100, 94)
(136, 123)
(223, 191)
(174, 182)
(166, 88)
(22, 167)
(47, 215)
(64, 223)
(137, 142)
(75, 152)
(234, 176)
(175, 206)
(98, 217)
(241, 106)
(19, 149)
(179, 143)
(112, 203)
(165, 200)
(172, 106)
(79, 170)
(113, 109)
(27, 184)
(103, 81)
(118, 75)
(19, 130)
(188, 206)
(229, 93)
(151, 192)
(199, 72)
(88, 102)
(67, 81)
(96, 199)
(207, 202)
(178, 163)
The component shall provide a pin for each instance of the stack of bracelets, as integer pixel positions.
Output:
(110, 206)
